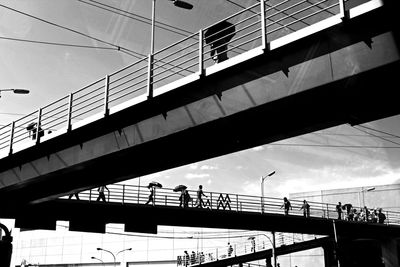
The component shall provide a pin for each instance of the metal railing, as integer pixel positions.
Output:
(130, 194)
(261, 243)
(189, 56)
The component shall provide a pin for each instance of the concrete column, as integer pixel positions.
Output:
(268, 262)
(330, 256)
(391, 252)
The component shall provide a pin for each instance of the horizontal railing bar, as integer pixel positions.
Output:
(134, 91)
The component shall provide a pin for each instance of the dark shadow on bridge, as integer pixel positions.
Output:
(93, 216)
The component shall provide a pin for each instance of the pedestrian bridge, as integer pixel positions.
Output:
(295, 66)
(126, 204)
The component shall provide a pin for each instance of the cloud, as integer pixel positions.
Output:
(191, 176)
(208, 167)
(194, 166)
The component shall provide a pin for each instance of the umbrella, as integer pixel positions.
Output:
(180, 187)
(220, 33)
(31, 126)
(155, 184)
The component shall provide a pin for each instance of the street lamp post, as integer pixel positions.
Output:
(273, 245)
(114, 255)
(262, 189)
(15, 91)
(369, 189)
(177, 3)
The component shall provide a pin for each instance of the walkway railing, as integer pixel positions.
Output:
(255, 243)
(130, 194)
(188, 59)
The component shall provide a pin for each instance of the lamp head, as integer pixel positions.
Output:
(21, 91)
(182, 4)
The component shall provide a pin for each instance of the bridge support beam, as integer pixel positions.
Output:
(268, 262)
(391, 252)
(330, 259)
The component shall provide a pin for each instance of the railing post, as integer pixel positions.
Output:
(123, 194)
(10, 151)
(327, 211)
(38, 128)
(150, 76)
(211, 201)
(343, 13)
(106, 94)
(263, 25)
(237, 203)
(201, 55)
(69, 120)
(90, 195)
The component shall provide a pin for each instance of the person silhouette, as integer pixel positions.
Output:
(151, 196)
(286, 205)
(102, 196)
(200, 202)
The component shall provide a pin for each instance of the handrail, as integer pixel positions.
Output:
(131, 194)
(249, 35)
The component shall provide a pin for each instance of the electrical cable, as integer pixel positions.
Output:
(379, 131)
(137, 17)
(387, 140)
(119, 48)
(57, 44)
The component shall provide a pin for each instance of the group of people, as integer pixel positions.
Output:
(288, 206)
(101, 195)
(361, 215)
(184, 198)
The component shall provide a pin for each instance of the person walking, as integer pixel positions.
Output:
(230, 249)
(151, 196)
(339, 210)
(286, 205)
(306, 209)
(200, 193)
(102, 196)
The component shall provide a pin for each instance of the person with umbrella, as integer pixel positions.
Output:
(152, 187)
(218, 37)
(181, 188)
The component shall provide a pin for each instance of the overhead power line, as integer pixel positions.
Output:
(119, 48)
(385, 139)
(136, 17)
(57, 44)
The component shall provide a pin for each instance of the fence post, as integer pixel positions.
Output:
(69, 120)
(263, 25)
(327, 211)
(150, 76)
(11, 138)
(123, 194)
(342, 7)
(201, 55)
(38, 128)
(106, 94)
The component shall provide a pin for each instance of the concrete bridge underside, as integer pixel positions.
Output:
(346, 73)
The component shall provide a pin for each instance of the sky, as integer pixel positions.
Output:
(339, 157)
(85, 36)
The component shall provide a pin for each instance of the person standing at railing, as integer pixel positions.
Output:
(286, 205)
(102, 196)
(306, 209)
(381, 216)
(230, 249)
(339, 210)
